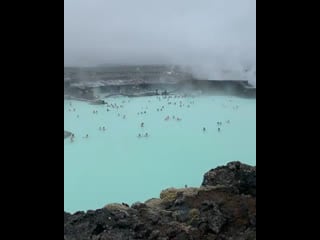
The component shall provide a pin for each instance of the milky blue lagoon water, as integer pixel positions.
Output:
(116, 165)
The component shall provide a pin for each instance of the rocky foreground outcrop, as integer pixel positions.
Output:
(223, 208)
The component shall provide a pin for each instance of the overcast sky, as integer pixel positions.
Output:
(199, 32)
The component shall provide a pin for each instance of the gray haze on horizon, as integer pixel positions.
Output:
(210, 35)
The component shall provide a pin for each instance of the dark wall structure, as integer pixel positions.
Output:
(81, 83)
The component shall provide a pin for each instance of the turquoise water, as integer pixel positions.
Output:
(116, 165)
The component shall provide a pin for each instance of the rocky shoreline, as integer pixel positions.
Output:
(222, 208)
(136, 81)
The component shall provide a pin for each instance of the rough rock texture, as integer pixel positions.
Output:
(242, 176)
(223, 208)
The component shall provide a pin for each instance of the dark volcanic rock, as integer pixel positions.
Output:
(67, 134)
(236, 174)
(80, 83)
(224, 207)
(98, 102)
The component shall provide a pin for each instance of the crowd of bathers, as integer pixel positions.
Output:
(173, 100)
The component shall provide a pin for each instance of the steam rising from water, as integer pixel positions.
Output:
(216, 38)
